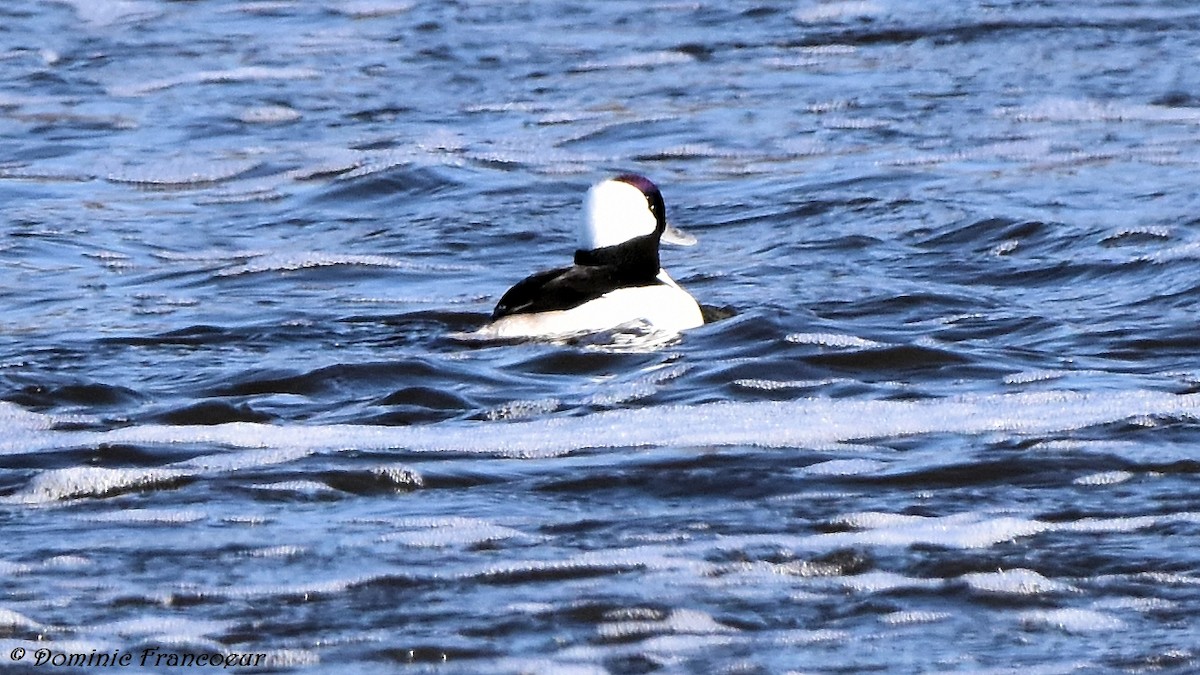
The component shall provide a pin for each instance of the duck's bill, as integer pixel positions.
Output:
(674, 235)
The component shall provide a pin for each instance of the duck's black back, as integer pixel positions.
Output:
(596, 272)
(565, 288)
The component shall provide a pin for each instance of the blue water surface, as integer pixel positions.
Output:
(949, 425)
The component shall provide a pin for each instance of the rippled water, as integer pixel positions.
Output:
(951, 426)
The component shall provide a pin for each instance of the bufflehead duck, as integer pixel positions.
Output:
(616, 278)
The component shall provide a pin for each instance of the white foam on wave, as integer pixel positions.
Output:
(962, 530)
(92, 481)
(1185, 251)
(776, 385)
(621, 393)
(693, 558)
(880, 581)
(1104, 478)
(293, 262)
(1169, 578)
(680, 621)
(169, 628)
(1127, 523)
(17, 420)
(610, 392)
(638, 61)
(843, 11)
(148, 516)
(841, 123)
(306, 488)
(450, 532)
(1071, 110)
(1031, 376)
(913, 617)
(1136, 604)
(269, 114)
(15, 620)
(967, 530)
(845, 467)
(515, 410)
(706, 151)
(1015, 582)
(833, 340)
(805, 423)
(64, 562)
(88, 481)
(1071, 620)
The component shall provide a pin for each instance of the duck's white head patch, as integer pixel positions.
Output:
(616, 211)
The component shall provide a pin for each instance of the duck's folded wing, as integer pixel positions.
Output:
(557, 289)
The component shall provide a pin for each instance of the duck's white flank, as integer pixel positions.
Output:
(665, 307)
